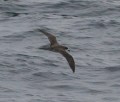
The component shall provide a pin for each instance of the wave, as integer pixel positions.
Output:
(113, 68)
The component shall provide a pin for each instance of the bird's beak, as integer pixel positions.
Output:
(68, 50)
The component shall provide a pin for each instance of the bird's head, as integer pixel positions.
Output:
(66, 48)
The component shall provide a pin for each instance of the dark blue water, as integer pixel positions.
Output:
(91, 30)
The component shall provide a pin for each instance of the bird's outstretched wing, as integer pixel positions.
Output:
(69, 58)
(51, 37)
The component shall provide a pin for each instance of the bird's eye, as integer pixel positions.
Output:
(66, 48)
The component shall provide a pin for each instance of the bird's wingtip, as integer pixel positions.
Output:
(73, 70)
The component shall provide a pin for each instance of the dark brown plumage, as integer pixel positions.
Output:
(54, 45)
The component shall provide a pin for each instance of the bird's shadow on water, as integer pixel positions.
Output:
(113, 68)
(45, 47)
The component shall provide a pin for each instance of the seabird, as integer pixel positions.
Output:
(56, 47)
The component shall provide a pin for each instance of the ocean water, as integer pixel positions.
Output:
(91, 30)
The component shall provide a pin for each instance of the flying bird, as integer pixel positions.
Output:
(56, 47)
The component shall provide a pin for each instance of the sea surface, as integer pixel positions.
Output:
(89, 28)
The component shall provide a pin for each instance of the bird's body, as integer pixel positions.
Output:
(55, 46)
